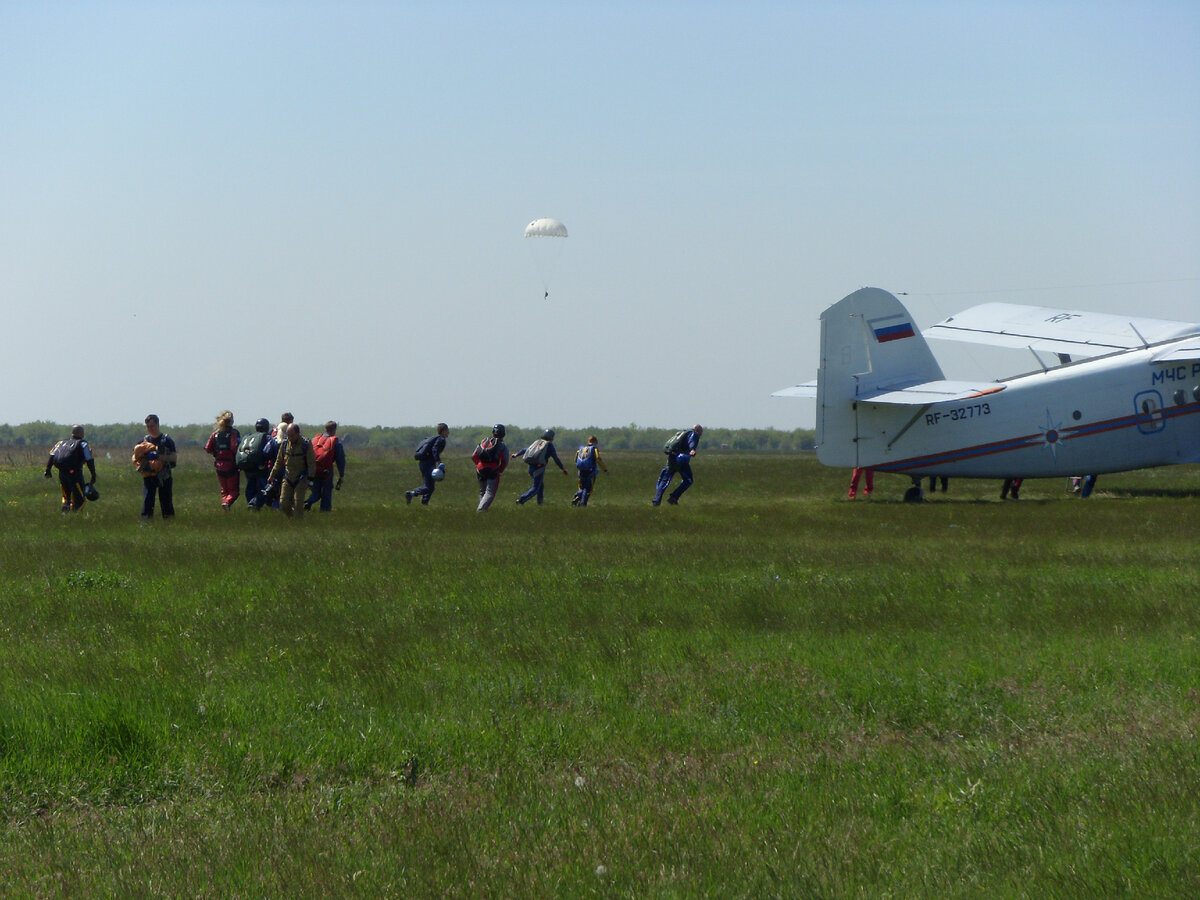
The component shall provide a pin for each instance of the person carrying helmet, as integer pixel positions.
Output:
(255, 456)
(538, 455)
(429, 460)
(491, 459)
(69, 457)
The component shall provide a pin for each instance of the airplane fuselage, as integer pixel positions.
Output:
(1107, 414)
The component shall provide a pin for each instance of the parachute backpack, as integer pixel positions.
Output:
(67, 455)
(676, 444)
(535, 453)
(488, 451)
(145, 459)
(585, 458)
(250, 456)
(323, 450)
(425, 448)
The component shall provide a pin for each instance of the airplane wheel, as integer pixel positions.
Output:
(913, 495)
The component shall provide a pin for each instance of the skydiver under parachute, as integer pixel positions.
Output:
(545, 254)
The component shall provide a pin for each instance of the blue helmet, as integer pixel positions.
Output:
(548, 434)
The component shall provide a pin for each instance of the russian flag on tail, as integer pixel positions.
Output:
(891, 328)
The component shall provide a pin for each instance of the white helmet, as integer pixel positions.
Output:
(438, 474)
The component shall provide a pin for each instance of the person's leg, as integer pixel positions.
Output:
(254, 486)
(230, 487)
(664, 481)
(72, 493)
(487, 491)
(685, 474)
(166, 498)
(149, 487)
(425, 491)
(533, 486)
(430, 484)
(287, 497)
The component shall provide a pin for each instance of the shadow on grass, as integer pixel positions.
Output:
(1165, 493)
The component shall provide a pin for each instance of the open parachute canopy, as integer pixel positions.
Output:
(545, 228)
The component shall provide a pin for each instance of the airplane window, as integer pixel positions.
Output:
(1180, 398)
(1196, 392)
(1077, 415)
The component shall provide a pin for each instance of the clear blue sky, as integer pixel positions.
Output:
(320, 206)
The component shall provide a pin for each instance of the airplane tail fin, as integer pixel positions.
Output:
(869, 344)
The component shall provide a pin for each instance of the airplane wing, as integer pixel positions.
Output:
(1188, 351)
(933, 392)
(808, 390)
(1078, 333)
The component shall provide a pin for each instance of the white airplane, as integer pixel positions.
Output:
(1131, 402)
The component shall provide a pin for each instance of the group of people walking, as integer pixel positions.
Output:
(283, 469)
(491, 458)
(286, 471)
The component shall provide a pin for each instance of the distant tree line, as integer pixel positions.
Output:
(36, 435)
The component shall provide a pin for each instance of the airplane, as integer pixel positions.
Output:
(1123, 393)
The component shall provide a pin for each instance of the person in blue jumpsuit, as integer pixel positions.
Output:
(537, 470)
(429, 457)
(256, 476)
(679, 460)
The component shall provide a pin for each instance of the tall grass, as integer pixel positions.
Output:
(766, 691)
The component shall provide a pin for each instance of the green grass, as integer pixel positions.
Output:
(766, 691)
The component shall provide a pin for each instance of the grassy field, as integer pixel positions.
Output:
(766, 691)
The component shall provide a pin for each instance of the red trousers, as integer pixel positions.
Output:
(229, 486)
(870, 473)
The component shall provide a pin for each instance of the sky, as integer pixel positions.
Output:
(320, 207)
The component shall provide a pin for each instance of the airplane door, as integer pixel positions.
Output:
(1150, 418)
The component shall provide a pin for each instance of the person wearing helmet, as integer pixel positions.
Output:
(69, 457)
(679, 452)
(491, 459)
(538, 455)
(429, 460)
(255, 456)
